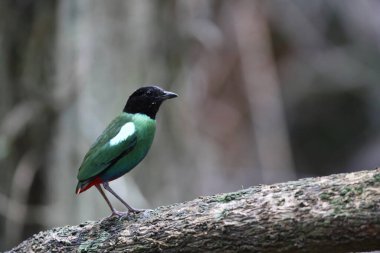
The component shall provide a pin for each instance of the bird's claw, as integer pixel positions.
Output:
(136, 211)
(130, 211)
(118, 214)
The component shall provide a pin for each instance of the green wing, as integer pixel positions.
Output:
(102, 155)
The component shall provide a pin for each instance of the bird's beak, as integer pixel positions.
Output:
(169, 95)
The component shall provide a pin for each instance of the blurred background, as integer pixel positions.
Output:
(270, 91)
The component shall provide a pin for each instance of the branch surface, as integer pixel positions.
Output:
(337, 213)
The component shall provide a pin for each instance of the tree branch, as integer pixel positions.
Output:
(337, 213)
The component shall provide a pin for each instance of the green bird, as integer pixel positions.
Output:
(123, 144)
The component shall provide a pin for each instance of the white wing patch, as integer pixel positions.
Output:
(125, 131)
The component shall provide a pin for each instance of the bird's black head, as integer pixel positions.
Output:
(147, 100)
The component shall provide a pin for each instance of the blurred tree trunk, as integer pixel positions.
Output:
(337, 213)
(263, 91)
(28, 113)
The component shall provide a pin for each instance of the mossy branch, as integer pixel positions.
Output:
(337, 213)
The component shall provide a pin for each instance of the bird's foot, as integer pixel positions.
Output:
(136, 211)
(117, 214)
(130, 211)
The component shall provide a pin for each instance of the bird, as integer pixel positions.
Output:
(123, 144)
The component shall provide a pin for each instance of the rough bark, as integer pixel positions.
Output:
(337, 213)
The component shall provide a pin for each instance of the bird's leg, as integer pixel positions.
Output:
(130, 209)
(114, 212)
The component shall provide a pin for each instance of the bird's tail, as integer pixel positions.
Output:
(86, 184)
